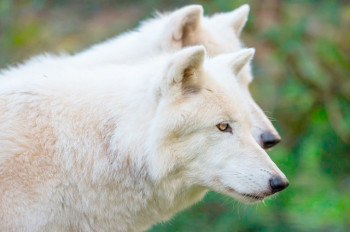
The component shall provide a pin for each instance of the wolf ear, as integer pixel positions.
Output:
(235, 19)
(236, 60)
(240, 59)
(182, 70)
(183, 22)
(240, 17)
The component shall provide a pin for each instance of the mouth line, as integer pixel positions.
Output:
(248, 195)
(255, 197)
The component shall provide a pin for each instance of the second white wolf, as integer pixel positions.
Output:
(181, 28)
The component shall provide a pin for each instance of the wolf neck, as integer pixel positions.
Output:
(145, 204)
(148, 202)
(129, 196)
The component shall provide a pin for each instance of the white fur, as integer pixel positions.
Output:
(171, 32)
(119, 148)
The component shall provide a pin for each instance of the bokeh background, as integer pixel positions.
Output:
(302, 81)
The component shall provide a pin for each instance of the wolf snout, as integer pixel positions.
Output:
(278, 184)
(269, 139)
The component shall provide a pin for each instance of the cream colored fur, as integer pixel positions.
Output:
(170, 32)
(119, 148)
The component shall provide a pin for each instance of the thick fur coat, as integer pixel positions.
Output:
(119, 148)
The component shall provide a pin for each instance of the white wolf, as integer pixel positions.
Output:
(181, 28)
(119, 148)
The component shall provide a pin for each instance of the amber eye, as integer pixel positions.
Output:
(224, 127)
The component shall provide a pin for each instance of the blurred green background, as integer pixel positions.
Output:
(302, 81)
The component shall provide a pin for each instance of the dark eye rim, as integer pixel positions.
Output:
(228, 128)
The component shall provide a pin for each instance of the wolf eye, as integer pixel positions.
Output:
(224, 127)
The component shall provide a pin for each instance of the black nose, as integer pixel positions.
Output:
(269, 140)
(278, 184)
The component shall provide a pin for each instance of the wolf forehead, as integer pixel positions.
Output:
(212, 101)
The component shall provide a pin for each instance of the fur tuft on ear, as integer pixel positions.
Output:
(183, 67)
(241, 59)
(236, 60)
(240, 18)
(235, 19)
(183, 22)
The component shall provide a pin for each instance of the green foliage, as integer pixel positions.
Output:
(302, 78)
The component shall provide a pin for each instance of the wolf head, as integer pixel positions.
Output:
(218, 34)
(200, 134)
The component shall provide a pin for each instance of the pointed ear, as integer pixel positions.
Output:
(240, 17)
(240, 59)
(183, 22)
(236, 60)
(235, 19)
(183, 68)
